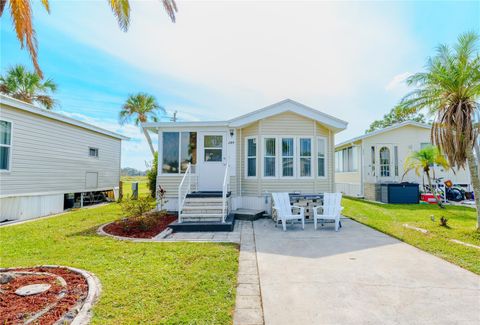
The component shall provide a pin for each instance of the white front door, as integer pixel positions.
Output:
(212, 160)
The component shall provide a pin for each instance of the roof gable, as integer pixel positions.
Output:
(289, 105)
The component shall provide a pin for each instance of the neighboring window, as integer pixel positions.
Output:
(372, 157)
(269, 157)
(346, 160)
(305, 157)
(423, 145)
(93, 152)
(321, 154)
(384, 162)
(178, 150)
(287, 157)
(251, 157)
(5, 144)
(213, 147)
(395, 159)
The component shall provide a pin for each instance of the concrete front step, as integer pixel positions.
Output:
(209, 200)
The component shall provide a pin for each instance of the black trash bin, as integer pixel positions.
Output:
(399, 193)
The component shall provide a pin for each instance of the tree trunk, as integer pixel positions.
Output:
(474, 178)
(439, 202)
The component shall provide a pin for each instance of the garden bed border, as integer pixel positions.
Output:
(84, 315)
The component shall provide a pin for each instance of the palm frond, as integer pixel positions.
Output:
(121, 10)
(171, 8)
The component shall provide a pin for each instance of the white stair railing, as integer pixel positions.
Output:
(224, 194)
(184, 189)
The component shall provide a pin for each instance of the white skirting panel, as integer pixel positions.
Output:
(350, 189)
(27, 207)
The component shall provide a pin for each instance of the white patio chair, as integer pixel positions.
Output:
(281, 204)
(331, 209)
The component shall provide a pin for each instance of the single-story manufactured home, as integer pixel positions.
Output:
(284, 147)
(48, 161)
(379, 157)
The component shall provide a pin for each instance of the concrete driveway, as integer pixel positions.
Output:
(358, 276)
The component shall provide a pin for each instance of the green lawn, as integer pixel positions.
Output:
(169, 283)
(390, 218)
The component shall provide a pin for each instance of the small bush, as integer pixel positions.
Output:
(135, 208)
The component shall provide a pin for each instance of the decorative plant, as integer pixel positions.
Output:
(135, 208)
(443, 222)
(424, 160)
(161, 197)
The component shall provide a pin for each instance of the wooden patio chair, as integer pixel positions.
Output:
(284, 210)
(331, 210)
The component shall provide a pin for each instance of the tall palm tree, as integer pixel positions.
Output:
(450, 90)
(141, 108)
(21, 11)
(27, 86)
(424, 160)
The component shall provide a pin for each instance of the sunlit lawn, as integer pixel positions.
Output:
(148, 283)
(390, 218)
(142, 185)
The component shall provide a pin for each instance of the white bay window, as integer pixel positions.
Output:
(288, 152)
(305, 157)
(269, 157)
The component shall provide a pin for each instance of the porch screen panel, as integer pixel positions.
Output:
(170, 152)
(252, 157)
(188, 150)
(269, 157)
(305, 157)
(287, 157)
(321, 152)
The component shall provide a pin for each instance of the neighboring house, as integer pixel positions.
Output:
(379, 157)
(285, 147)
(48, 160)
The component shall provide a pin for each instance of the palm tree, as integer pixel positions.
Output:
(450, 90)
(142, 108)
(424, 160)
(27, 86)
(21, 11)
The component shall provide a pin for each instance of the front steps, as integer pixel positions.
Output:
(202, 211)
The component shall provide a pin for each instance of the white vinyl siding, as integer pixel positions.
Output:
(49, 156)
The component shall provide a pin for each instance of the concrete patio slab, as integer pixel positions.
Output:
(358, 276)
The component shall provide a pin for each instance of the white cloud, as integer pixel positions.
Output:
(250, 54)
(398, 81)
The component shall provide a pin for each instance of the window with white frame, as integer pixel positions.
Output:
(321, 157)
(5, 145)
(346, 160)
(251, 149)
(395, 159)
(178, 150)
(305, 157)
(269, 157)
(93, 152)
(384, 162)
(288, 153)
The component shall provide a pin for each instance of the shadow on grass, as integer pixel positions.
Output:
(88, 232)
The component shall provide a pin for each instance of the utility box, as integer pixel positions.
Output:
(399, 193)
(135, 190)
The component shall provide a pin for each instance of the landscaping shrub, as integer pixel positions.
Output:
(135, 208)
(444, 222)
(152, 175)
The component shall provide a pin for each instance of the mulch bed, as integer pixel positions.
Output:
(132, 227)
(15, 309)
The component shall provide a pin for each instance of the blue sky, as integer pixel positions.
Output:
(223, 59)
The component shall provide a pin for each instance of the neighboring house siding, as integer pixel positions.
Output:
(49, 156)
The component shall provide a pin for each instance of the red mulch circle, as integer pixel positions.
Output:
(16, 309)
(131, 227)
